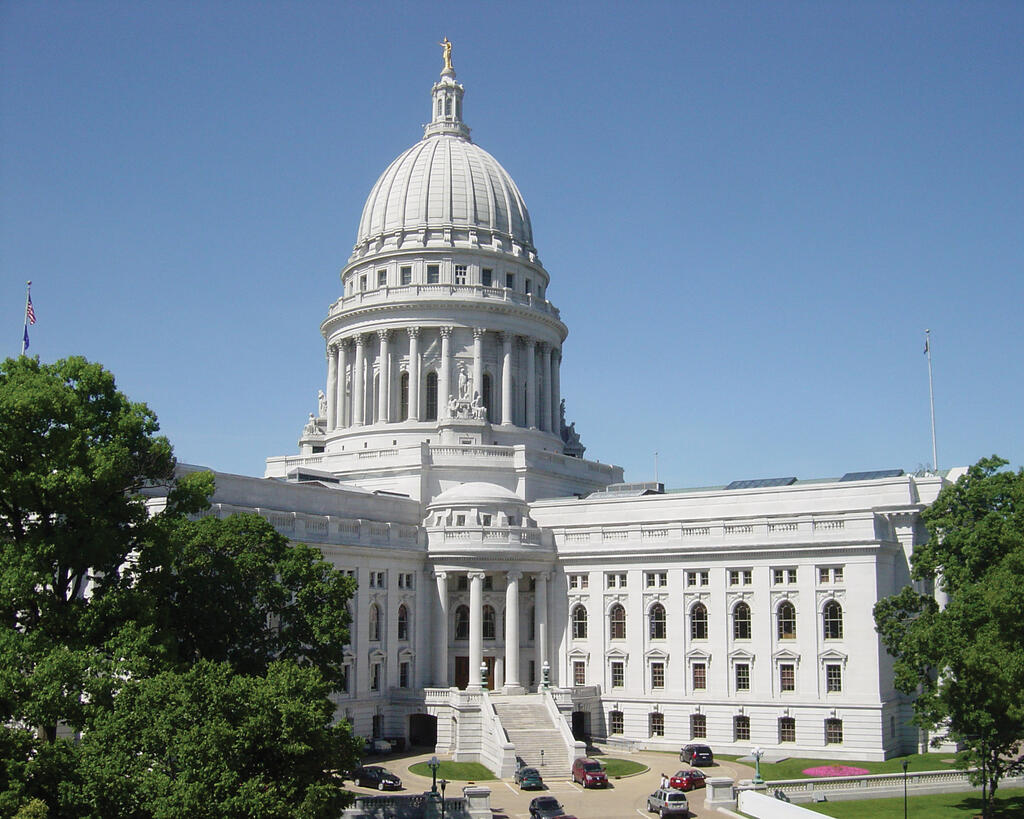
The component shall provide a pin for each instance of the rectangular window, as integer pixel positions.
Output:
(697, 578)
(823, 575)
(529, 286)
(791, 575)
(833, 677)
(734, 577)
(433, 273)
(382, 278)
(488, 582)
(618, 674)
(833, 732)
(579, 672)
(787, 729)
(698, 726)
(656, 579)
(403, 675)
(375, 677)
(741, 729)
(780, 576)
(487, 277)
(742, 677)
(510, 281)
(787, 677)
(460, 274)
(343, 684)
(579, 581)
(777, 576)
(837, 574)
(748, 577)
(656, 722)
(892, 726)
(362, 282)
(700, 676)
(406, 274)
(485, 520)
(615, 580)
(616, 723)
(657, 675)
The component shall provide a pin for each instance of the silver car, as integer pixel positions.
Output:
(668, 802)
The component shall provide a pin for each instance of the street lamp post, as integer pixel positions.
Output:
(904, 763)
(433, 764)
(757, 753)
(444, 784)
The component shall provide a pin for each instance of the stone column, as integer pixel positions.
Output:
(541, 602)
(357, 382)
(531, 383)
(556, 390)
(384, 398)
(476, 628)
(441, 642)
(332, 389)
(545, 387)
(340, 401)
(445, 381)
(414, 373)
(506, 379)
(512, 685)
(478, 362)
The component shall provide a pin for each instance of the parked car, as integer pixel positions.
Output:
(374, 776)
(529, 779)
(697, 754)
(589, 773)
(687, 780)
(545, 807)
(668, 802)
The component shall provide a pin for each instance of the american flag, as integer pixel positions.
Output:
(30, 312)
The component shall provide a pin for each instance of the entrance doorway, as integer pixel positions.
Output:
(462, 672)
(580, 726)
(423, 730)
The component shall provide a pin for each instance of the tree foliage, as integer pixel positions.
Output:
(966, 659)
(195, 656)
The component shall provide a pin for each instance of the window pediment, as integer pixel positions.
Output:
(698, 654)
(580, 654)
(741, 655)
(786, 656)
(656, 654)
(617, 654)
(833, 656)
(377, 656)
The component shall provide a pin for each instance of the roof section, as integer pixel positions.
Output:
(870, 476)
(759, 483)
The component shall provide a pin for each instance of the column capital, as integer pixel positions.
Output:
(506, 337)
(544, 346)
(439, 575)
(383, 335)
(476, 575)
(513, 574)
(414, 331)
(545, 576)
(330, 352)
(446, 331)
(478, 332)
(344, 343)
(360, 339)
(530, 342)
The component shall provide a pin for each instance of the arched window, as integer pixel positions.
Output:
(657, 620)
(448, 107)
(489, 622)
(403, 622)
(431, 397)
(617, 622)
(741, 621)
(787, 621)
(403, 397)
(462, 623)
(439, 109)
(832, 620)
(485, 396)
(579, 623)
(699, 622)
(374, 623)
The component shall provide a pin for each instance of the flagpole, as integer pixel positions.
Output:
(24, 334)
(931, 396)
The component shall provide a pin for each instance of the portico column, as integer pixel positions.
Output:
(531, 383)
(414, 373)
(556, 389)
(545, 393)
(441, 640)
(512, 632)
(340, 401)
(332, 388)
(444, 388)
(541, 602)
(357, 381)
(478, 362)
(506, 379)
(384, 398)
(476, 627)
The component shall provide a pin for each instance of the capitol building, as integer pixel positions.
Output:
(516, 597)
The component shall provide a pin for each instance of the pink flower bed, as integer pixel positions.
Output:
(835, 770)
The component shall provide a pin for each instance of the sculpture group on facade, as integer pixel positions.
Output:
(466, 404)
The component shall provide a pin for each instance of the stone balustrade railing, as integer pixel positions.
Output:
(870, 786)
(431, 292)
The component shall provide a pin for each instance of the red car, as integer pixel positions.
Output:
(687, 780)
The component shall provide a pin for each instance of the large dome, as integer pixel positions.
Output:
(445, 180)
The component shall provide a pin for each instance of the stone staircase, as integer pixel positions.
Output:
(531, 729)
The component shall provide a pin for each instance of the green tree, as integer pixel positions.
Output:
(966, 660)
(110, 614)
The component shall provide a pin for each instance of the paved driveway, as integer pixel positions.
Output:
(626, 798)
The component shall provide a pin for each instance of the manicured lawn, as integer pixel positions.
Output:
(793, 768)
(621, 767)
(461, 771)
(1009, 805)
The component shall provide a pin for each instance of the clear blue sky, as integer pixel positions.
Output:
(750, 211)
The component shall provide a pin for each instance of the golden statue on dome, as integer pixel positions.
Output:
(447, 46)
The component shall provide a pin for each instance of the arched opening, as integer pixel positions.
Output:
(423, 730)
(403, 622)
(617, 622)
(431, 408)
(373, 621)
(403, 397)
(485, 396)
(489, 621)
(657, 621)
(699, 622)
(832, 620)
(741, 624)
(579, 623)
(462, 623)
(786, 621)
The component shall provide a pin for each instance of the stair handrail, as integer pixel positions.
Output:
(574, 748)
(496, 746)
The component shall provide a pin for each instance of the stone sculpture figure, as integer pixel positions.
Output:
(311, 428)
(321, 402)
(479, 410)
(463, 383)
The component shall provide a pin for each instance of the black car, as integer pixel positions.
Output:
(374, 776)
(697, 754)
(545, 807)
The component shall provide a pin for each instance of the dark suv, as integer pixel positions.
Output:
(697, 754)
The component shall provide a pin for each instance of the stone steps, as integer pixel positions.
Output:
(531, 729)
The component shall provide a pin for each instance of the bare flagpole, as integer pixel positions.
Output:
(931, 396)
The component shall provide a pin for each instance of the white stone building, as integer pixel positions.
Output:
(439, 471)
